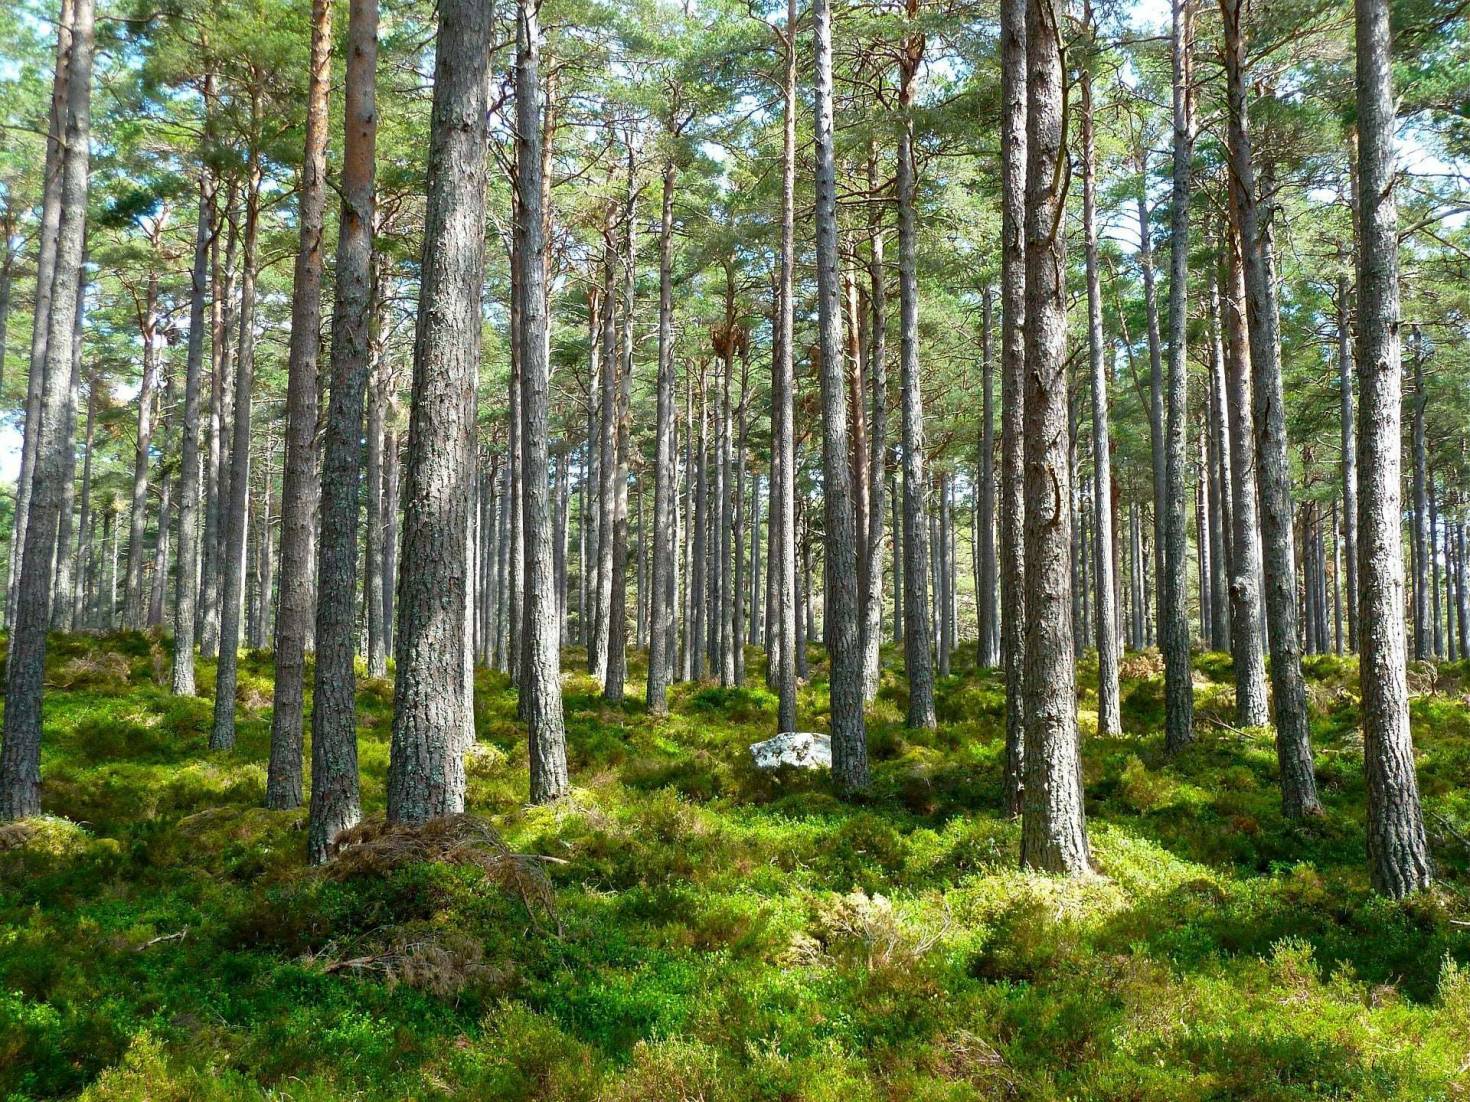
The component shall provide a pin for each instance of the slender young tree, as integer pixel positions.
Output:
(335, 803)
(1053, 823)
(1109, 721)
(876, 374)
(149, 324)
(48, 235)
(1349, 458)
(917, 642)
(234, 514)
(597, 652)
(1249, 648)
(841, 620)
(186, 586)
(426, 762)
(661, 606)
(783, 391)
(617, 634)
(1398, 853)
(300, 484)
(541, 661)
(20, 754)
(1173, 614)
(988, 638)
(1013, 153)
(1293, 745)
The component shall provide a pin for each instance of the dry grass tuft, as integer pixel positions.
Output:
(1141, 665)
(105, 670)
(375, 847)
(437, 961)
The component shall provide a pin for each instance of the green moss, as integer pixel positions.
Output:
(721, 933)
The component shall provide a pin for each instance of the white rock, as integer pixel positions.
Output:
(798, 749)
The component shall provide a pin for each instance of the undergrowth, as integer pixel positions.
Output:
(684, 927)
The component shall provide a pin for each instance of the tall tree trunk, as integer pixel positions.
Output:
(217, 460)
(737, 525)
(1013, 153)
(1156, 385)
(86, 558)
(1220, 480)
(1293, 745)
(1398, 854)
(783, 395)
(917, 642)
(1349, 458)
(426, 764)
(377, 409)
(876, 375)
(607, 466)
(841, 629)
(1109, 720)
(64, 580)
(617, 634)
(186, 584)
(984, 550)
(1433, 572)
(48, 236)
(233, 518)
(134, 606)
(160, 555)
(1173, 613)
(335, 802)
(541, 661)
(1053, 822)
(1251, 707)
(699, 567)
(1420, 514)
(20, 754)
(9, 215)
(301, 487)
(391, 488)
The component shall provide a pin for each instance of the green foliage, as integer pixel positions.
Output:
(722, 934)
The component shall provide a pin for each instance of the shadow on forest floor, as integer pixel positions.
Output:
(726, 934)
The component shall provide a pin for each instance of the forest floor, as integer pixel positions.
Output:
(708, 932)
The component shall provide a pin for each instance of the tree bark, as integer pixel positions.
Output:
(876, 375)
(134, 609)
(662, 627)
(20, 753)
(48, 236)
(186, 584)
(783, 393)
(617, 634)
(1053, 822)
(607, 467)
(541, 661)
(1422, 534)
(1249, 654)
(64, 583)
(1398, 854)
(220, 403)
(1219, 479)
(301, 485)
(335, 802)
(1173, 612)
(1293, 745)
(1349, 458)
(918, 659)
(1013, 151)
(1109, 720)
(233, 518)
(985, 573)
(841, 619)
(426, 764)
